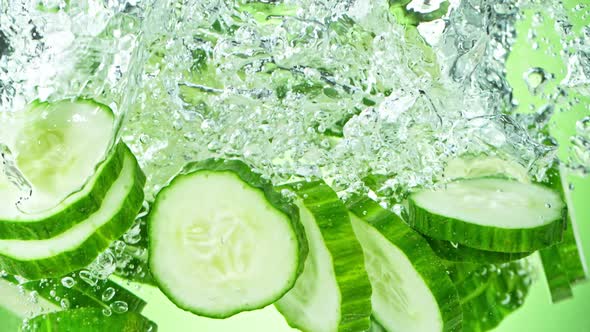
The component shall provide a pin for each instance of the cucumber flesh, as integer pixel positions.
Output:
(490, 214)
(333, 293)
(79, 245)
(57, 146)
(16, 305)
(222, 241)
(411, 290)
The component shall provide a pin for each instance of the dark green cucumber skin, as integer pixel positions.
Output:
(556, 274)
(446, 251)
(334, 224)
(75, 213)
(511, 240)
(83, 295)
(87, 251)
(89, 320)
(417, 250)
(568, 248)
(254, 180)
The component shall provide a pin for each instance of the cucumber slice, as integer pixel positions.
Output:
(411, 289)
(490, 292)
(89, 320)
(333, 293)
(460, 253)
(490, 214)
(81, 244)
(555, 274)
(222, 241)
(56, 146)
(72, 210)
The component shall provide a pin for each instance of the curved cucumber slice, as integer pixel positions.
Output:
(556, 274)
(490, 214)
(460, 253)
(333, 293)
(72, 210)
(222, 241)
(89, 320)
(79, 245)
(411, 289)
(56, 146)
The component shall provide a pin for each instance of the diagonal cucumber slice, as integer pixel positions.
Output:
(72, 210)
(89, 320)
(411, 290)
(333, 293)
(56, 146)
(556, 274)
(492, 214)
(223, 241)
(79, 245)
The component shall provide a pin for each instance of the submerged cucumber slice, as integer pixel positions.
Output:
(79, 245)
(460, 253)
(333, 293)
(89, 320)
(222, 241)
(490, 214)
(56, 147)
(556, 274)
(72, 210)
(411, 289)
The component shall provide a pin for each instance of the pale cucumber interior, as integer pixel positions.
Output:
(57, 147)
(220, 246)
(493, 202)
(75, 236)
(20, 304)
(313, 304)
(401, 300)
(485, 166)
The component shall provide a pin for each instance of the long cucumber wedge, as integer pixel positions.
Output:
(494, 214)
(223, 241)
(460, 253)
(556, 274)
(56, 148)
(82, 243)
(89, 320)
(72, 210)
(333, 293)
(411, 289)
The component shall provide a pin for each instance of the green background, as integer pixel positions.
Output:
(538, 313)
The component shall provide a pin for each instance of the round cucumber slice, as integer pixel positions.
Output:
(460, 253)
(82, 243)
(411, 289)
(56, 147)
(490, 214)
(89, 320)
(72, 210)
(333, 293)
(222, 241)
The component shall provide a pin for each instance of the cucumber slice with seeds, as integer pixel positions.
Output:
(89, 320)
(333, 293)
(222, 241)
(72, 210)
(492, 214)
(411, 290)
(56, 147)
(82, 243)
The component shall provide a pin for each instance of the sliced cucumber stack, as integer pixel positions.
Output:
(80, 244)
(495, 214)
(333, 293)
(411, 289)
(223, 241)
(89, 320)
(57, 147)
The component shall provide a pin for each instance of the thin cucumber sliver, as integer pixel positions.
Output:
(223, 241)
(411, 289)
(89, 320)
(333, 293)
(492, 214)
(79, 245)
(72, 210)
(460, 253)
